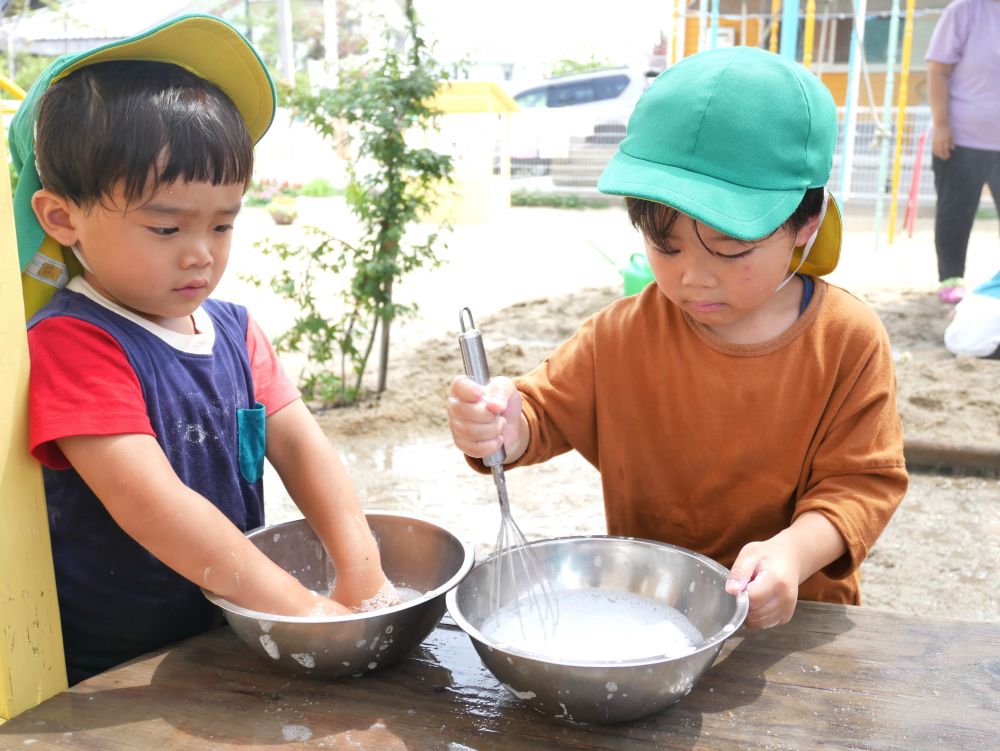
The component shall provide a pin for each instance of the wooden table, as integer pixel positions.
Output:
(835, 677)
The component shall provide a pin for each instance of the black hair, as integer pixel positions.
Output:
(141, 124)
(656, 220)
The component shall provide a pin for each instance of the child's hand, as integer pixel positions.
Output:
(483, 418)
(363, 588)
(769, 572)
(323, 606)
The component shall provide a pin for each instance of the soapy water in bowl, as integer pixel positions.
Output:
(388, 595)
(597, 625)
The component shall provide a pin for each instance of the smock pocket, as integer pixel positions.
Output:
(250, 425)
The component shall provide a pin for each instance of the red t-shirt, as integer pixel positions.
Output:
(81, 383)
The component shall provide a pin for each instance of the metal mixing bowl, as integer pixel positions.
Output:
(416, 554)
(595, 690)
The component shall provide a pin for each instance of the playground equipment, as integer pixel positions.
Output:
(910, 218)
(31, 654)
(890, 64)
(904, 79)
(809, 33)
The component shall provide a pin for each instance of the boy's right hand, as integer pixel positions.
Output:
(484, 418)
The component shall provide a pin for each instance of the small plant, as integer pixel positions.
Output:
(282, 209)
(319, 188)
(303, 280)
(262, 192)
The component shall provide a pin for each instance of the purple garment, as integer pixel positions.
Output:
(968, 36)
(118, 601)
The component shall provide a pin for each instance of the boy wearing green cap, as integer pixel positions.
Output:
(153, 406)
(740, 406)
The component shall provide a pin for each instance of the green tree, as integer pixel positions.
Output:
(566, 67)
(25, 66)
(392, 185)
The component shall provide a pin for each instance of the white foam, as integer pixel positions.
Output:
(386, 597)
(598, 625)
(270, 646)
(296, 732)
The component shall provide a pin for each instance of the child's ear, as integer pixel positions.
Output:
(803, 235)
(56, 215)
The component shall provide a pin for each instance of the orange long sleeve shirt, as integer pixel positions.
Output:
(711, 445)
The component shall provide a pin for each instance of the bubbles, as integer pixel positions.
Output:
(598, 625)
(386, 597)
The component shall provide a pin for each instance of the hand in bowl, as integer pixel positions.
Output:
(361, 592)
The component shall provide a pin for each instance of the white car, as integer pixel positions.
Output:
(597, 103)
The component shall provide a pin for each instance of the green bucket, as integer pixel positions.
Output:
(637, 274)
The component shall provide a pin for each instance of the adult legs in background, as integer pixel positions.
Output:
(959, 183)
(993, 180)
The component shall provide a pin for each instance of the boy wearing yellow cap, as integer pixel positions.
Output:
(740, 406)
(153, 406)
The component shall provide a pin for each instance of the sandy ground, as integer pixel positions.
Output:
(532, 275)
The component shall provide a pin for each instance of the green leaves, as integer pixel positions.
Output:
(378, 113)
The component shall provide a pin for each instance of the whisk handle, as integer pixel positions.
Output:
(474, 360)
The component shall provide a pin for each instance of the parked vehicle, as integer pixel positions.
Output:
(596, 104)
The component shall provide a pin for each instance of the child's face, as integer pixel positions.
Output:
(162, 257)
(726, 284)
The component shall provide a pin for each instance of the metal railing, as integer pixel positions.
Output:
(576, 166)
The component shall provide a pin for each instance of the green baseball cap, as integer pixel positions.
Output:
(204, 45)
(733, 138)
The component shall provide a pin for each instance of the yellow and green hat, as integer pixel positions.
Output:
(733, 138)
(204, 45)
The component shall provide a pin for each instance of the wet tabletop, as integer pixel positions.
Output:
(835, 677)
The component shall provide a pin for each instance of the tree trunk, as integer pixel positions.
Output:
(383, 357)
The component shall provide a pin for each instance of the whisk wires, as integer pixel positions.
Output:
(517, 572)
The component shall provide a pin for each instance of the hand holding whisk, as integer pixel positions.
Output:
(518, 576)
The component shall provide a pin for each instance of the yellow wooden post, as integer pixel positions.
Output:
(31, 655)
(904, 77)
(808, 36)
(772, 45)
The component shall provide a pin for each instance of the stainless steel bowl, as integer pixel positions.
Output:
(416, 554)
(595, 690)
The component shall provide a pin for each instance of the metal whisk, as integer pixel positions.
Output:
(516, 567)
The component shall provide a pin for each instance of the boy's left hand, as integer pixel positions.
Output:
(769, 572)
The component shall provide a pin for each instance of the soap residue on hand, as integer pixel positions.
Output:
(389, 594)
(386, 597)
(597, 625)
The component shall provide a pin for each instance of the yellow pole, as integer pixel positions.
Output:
(904, 75)
(31, 653)
(775, 25)
(11, 87)
(680, 32)
(810, 32)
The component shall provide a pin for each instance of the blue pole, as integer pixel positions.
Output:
(790, 29)
(702, 10)
(850, 104)
(715, 25)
